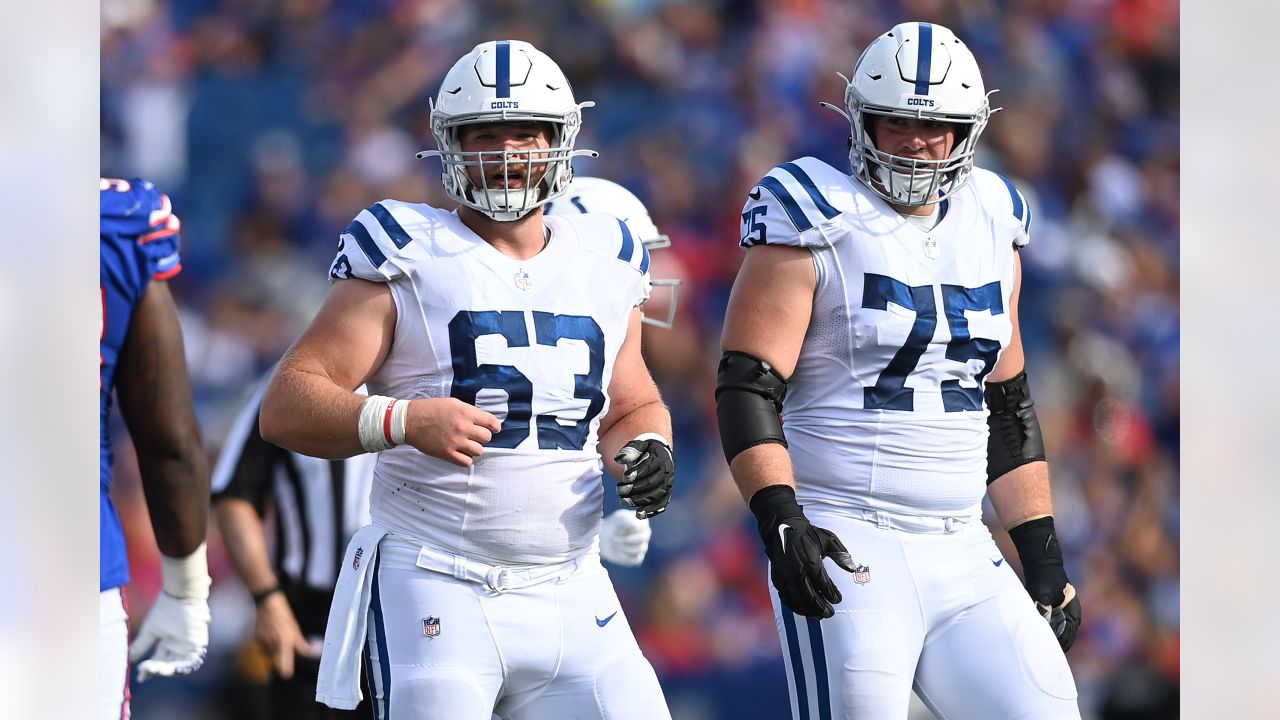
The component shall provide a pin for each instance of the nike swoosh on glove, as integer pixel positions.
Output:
(624, 538)
(177, 629)
(796, 549)
(649, 473)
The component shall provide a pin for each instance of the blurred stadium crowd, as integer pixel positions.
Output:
(273, 122)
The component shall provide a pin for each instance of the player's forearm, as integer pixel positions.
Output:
(1022, 494)
(651, 417)
(761, 466)
(245, 539)
(175, 482)
(307, 412)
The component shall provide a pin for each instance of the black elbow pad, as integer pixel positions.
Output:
(749, 394)
(1014, 437)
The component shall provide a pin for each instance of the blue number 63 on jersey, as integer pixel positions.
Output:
(470, 376)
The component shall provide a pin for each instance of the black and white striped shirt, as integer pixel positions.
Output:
(318, 503)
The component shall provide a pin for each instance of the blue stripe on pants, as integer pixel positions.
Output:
(797, 662)
(381, 709)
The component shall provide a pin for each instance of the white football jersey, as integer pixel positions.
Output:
(885, 410)
(531, 341)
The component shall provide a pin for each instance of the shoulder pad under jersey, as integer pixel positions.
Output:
(135, 212)
(608, 235)
(1002, 198)
(370, 248)
(791, 204)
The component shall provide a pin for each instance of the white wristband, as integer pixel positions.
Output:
(382, 423)
(652, 436)
(187, 577)
(399, 416)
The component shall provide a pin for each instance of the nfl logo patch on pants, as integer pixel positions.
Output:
(431, 626)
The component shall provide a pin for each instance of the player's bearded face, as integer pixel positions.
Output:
(523, 169)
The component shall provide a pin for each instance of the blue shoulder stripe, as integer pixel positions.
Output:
(1021, 210)
(357, 230)
(628, 244)
(388, 223)
(827, 209)
(629, 247)
(775, 186)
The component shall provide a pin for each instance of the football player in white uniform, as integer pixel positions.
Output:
(878, 313)
(624, 538)
(502, 352)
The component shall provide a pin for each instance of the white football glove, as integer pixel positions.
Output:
(624, 539)
(177, 627)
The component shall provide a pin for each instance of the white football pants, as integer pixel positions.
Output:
(937, 609)
(554, 645)
(113, 656)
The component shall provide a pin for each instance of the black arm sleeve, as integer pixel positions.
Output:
(1014, 438)
(749, 396)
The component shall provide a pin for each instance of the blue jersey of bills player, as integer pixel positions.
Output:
(143, 367)
(877, 313)
(501, 349)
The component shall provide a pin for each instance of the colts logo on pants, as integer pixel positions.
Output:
(431, 626)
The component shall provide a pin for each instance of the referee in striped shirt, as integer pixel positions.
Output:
(318, 504)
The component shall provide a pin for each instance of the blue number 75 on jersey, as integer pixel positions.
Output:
(470, 376)
(890, 391)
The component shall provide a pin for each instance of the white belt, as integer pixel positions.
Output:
(915, 523)
(497, 578)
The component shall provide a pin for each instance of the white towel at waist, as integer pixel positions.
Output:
(338, 684)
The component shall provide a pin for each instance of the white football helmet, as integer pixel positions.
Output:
(506, 81)
(916, 70)
(591, 194)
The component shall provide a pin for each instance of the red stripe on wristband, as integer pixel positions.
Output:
(386, 423)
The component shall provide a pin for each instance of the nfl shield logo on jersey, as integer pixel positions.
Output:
(861, 574)
(431, 626)
(522, 280)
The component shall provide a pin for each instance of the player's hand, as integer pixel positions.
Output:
(449, 429)
(1063, 616)
(1045, 578)
(624, 538)
(796, 549)
(277, 630)
(648, 474)
(177, 629)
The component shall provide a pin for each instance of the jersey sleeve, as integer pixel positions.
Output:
(368, 248)
(788, 207)
(606, 235)
(137, 210)
(634, 252)
(1021, 211)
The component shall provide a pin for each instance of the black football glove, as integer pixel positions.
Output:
(796, 549)
(1045, 578)
(649, 472)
